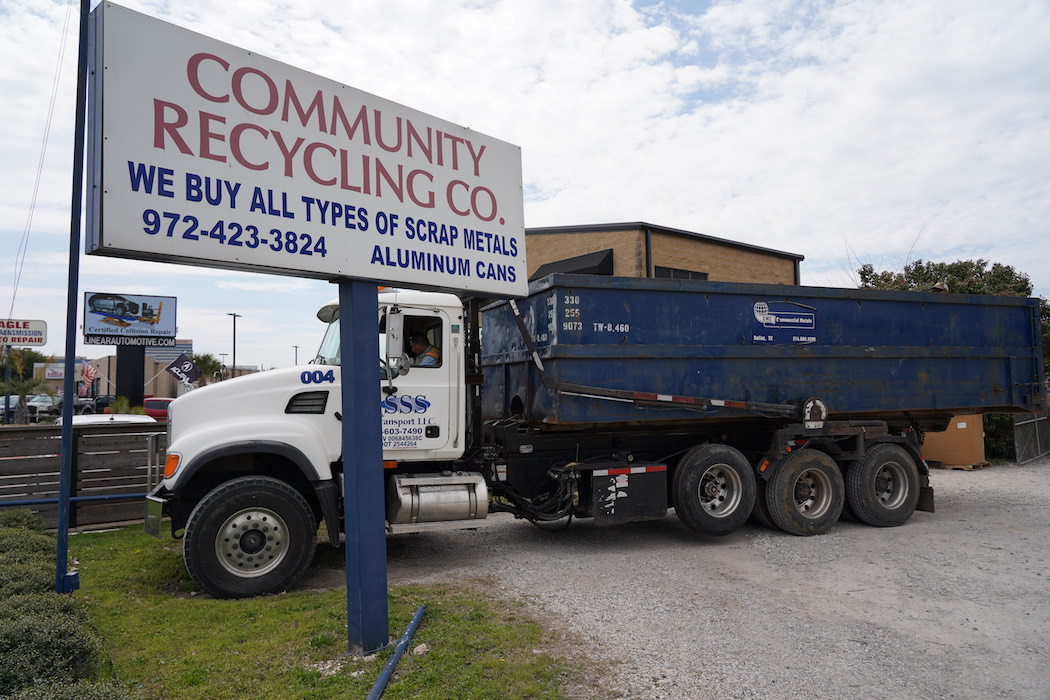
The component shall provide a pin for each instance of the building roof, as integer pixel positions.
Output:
(641, 226)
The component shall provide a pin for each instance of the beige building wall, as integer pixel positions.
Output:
(723, 261)
(628, 249)
(720, 262)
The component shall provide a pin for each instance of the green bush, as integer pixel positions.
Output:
(73, 691)
(22, 572)
(17, 540)
(38, 647)
(44, 636)
(49, 604)
(21, 519)
(999, 437)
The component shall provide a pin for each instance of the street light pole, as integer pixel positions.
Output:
(296, 354)
(234, 368)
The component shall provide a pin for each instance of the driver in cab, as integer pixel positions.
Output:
(426, 354)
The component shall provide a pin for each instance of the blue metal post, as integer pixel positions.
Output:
(367, 621)
(67, 582)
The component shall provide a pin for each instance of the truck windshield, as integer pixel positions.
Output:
(328, 353)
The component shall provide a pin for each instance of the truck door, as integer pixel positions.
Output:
(416, 406)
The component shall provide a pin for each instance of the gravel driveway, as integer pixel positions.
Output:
(953, 604)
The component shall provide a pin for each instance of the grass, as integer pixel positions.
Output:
(169, 643)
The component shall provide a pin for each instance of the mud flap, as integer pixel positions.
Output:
(628, 494)
(925, 499)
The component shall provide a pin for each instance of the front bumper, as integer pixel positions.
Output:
(156, 507)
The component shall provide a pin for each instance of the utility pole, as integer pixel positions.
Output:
(234, 368)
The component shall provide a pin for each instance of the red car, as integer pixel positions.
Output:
(157, 407)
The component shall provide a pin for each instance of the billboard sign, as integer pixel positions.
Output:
(18, 331)
(128, 316)
(207, 154)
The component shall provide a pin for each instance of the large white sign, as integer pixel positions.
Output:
(17, 331)
(207, 154)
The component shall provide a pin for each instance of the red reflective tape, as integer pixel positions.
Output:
(630, 470)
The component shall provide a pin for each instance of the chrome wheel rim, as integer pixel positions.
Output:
(252, 542)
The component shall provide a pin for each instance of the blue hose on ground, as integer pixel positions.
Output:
(391, 664)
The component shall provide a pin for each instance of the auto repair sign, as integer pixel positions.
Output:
(23, 332)
(206, 154)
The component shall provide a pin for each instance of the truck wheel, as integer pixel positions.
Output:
(883, 488)
(760, 513)
(250, 536)
(806, 493)
(713, 489)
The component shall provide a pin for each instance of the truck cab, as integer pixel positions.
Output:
(420, 404)
(255, 463)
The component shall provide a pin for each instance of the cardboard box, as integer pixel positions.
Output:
(961, 444)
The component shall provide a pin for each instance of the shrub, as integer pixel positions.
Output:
(16, 540)
(49, 604)
(22, 572)
(38, 647)
(999, 436)
(21, 519)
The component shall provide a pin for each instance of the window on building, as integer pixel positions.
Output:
(673, 273)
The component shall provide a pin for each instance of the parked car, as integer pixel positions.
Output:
(4, 417)
(102, 403)
(43, 406)
(157, 407)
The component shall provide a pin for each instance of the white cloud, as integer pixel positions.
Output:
(845, 131)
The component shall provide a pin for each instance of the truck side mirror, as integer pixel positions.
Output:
(397, 360)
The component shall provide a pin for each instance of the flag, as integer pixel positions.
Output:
(184, 369)
(90, 372)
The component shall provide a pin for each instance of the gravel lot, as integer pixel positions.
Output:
(954, 604)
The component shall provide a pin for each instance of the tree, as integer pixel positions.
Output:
(23, 382)
(968, 277)
(961, 276)
(208, 366)
(21, 361)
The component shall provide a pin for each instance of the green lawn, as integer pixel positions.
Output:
(169, 643)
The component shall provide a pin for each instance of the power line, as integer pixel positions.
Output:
(23, 246)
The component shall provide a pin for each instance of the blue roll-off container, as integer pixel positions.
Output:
(904, 357)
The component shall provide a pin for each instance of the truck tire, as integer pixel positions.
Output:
(760, 513)
(805, 495)
(250, 536)
(713, 489)
(883, 488)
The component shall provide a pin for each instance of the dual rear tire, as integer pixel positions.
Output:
(808, 492)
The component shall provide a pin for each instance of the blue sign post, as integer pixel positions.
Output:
(363, 505)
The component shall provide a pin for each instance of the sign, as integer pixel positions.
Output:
(207, 154)
(128, 315)
(129, 341)
(783, 323)
(184, 369)
(16, 331)
(56, 371)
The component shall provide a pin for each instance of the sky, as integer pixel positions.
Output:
(849, 132)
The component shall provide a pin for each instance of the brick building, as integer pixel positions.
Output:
(638, 249)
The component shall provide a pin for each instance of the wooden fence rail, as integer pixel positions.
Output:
(112, 468)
